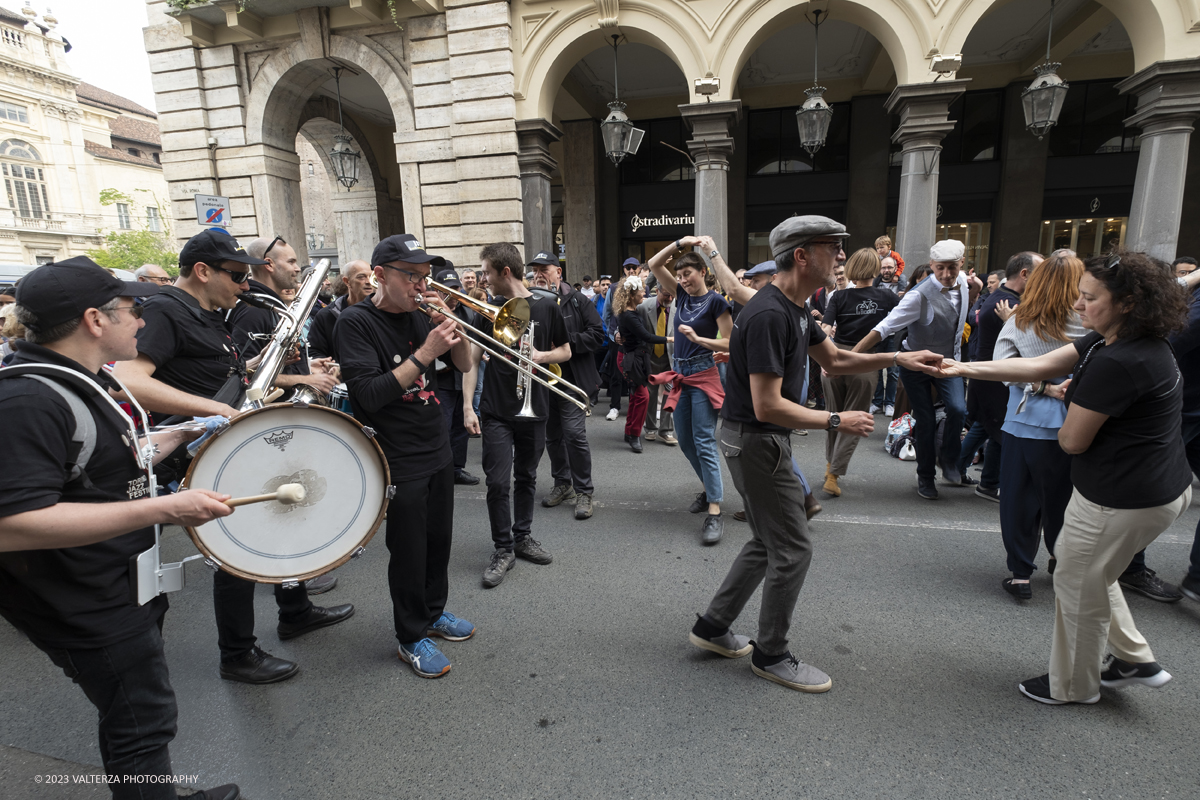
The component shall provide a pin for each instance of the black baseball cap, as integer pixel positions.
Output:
(213, 247)
(449, 278)
(62, 291)
(403, 247)
(545, 259)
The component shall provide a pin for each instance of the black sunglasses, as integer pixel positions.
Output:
(1113, 261)
(237, 277)
(275, 241)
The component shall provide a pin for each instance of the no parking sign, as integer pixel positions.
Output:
(212, 210)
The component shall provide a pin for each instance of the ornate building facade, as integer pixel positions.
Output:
(479, 121)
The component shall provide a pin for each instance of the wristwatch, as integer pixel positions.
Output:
(713, 254)
(834, 421)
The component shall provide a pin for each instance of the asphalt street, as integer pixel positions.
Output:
(581, 682)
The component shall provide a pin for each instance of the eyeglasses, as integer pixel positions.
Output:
(135, 310)
(835, 247)
(237, 277)
(412, 277)
(275, 241)
(160, 281)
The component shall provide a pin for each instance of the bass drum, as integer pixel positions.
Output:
(346, 480)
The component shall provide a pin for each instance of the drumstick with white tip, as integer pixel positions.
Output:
(289, 494)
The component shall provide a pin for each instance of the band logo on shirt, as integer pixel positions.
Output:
(137, 488)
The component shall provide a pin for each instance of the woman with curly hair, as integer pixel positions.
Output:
(635, 339)
(1035, 473)
(1129, 472)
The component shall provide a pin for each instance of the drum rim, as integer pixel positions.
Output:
(255, 577)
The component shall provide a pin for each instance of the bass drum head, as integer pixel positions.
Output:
(343, 471)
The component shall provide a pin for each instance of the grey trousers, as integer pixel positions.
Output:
(779, 550)
(664, 421)
(567, 444)
(845, 393)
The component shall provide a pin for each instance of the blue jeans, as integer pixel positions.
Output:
(478, 387)
(950, 391)
(887, 398)
(696, 426)
(990, 477)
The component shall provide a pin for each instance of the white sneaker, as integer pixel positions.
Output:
(874, 409)
(612, 414)
(890, 411)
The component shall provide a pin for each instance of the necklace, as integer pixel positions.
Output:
(689, 313)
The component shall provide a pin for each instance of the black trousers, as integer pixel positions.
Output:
(420, 524)
(451, 401)
(233, 602)
(617, 385)
(567, 443)
(128, 684)
(1035, 487)
(512, 450)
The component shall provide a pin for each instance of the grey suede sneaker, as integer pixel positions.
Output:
(502, 561)
(558, 495)
(727, 644)
(795, 674)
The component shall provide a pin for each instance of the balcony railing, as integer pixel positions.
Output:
(78, 224)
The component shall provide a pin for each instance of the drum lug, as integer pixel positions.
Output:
(391, 492)
(369, 431)
(299, 404)
(358, 551)
(290, 584)
(213, 564)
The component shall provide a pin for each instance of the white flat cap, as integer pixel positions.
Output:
(947, 250)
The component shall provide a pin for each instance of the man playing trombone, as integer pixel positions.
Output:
(514, 421)
(388, 346)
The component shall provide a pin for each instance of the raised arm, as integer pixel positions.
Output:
(658, 262)
(734, 289)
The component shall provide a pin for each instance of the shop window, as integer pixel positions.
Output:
(1087, 237)
(978, 126)
(656, 161)
(774, 143)
(1093, 121)
(758, 247)
(975, 236)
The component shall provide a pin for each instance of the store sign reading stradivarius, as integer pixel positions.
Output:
(663, 221)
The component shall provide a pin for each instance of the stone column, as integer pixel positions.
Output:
(1017, 219)
(711, 147)
(533, 156)
(581, 231)
(924, 110)
(356, 216)
(1168, 94)
(866, 211)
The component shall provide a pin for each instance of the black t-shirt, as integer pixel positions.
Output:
(856, 311)
(192, 349)
(500, 381)
(634, 332)
(74, 597)
(407, 419)
(772, 334)
(1137, 459)
(320, 333)
(248, 319)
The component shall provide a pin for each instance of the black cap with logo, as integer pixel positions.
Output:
(403, 247)
(62, 291)
(545, 259)
(214, 247)
(449, 277)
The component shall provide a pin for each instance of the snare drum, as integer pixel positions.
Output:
(336, 459)
(339, 398)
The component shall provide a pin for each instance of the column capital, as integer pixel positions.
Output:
(1168, 95)
(534, 137)
(712, 127)
(924, 110)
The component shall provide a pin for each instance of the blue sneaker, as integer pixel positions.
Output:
(451, 628)
(425, 658)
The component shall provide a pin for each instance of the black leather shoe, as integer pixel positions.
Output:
(316, 617)
(258, 666)
(228, 791)
(464, 478)
(635, 444)
(926, 488)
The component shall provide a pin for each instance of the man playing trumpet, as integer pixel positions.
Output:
(388, 347)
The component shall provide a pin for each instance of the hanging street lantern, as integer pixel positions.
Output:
(814, 116)
(344, 160)
(1043, 99)
(343, 157)
(620, 137)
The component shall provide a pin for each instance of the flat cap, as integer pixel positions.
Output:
(947, 250)
(765, 268)
(797, 231)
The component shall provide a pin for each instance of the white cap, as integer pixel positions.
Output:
(947, 250)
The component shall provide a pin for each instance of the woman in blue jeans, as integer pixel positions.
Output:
(704, 314)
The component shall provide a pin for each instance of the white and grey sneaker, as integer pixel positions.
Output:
(795, 674)
(727, 644)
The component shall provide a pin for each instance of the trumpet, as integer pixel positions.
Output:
(551, 377)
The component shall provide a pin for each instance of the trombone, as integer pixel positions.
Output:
(509, 324)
